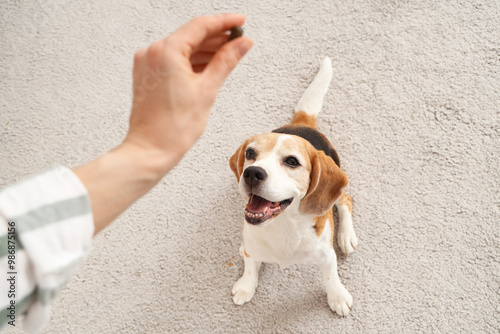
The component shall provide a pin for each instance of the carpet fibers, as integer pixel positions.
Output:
(413, 110)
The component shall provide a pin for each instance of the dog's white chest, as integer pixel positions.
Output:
(282, 242)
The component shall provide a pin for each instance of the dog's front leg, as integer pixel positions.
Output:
(339, 299)
(244, 289)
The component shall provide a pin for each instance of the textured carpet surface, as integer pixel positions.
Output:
(413, 110)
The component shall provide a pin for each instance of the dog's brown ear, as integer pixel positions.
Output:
(238, 160)
(327, 181)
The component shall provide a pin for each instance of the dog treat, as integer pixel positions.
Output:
(235, 33)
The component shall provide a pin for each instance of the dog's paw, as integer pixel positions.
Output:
(340, 301)
(348, 241)
(243, 292)
(240, 297)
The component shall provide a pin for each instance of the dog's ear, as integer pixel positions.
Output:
(238, 160)
(325, 186)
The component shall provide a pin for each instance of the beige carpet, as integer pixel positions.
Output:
(413, 110)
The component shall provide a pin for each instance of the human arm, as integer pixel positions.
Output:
(176, 81)
(55, 213)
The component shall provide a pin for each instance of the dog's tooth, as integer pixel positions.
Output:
(265, 210)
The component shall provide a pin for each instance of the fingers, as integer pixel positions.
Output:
(225, 59)
(190, 36)
(199, 68)
(202, 44)
(206, 51)
(213, 44)
(200, 60)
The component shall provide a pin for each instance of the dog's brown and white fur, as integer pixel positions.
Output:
(290, 180)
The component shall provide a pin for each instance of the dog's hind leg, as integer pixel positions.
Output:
(346, 236)
(339, 299)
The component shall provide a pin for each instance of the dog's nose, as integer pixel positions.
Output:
(254, 175)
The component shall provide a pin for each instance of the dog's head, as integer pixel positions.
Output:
(275, 170)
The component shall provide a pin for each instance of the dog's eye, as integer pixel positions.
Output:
(250, 154)
(292, 162)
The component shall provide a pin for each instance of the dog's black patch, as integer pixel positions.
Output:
(316, 138)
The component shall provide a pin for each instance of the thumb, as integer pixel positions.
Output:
(226, 59)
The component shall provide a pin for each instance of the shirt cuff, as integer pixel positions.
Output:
(54, 223)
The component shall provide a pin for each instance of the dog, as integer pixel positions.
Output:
(290, 179)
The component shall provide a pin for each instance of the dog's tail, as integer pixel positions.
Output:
(310, 103)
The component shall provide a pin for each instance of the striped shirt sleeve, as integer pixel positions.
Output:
(46, 229)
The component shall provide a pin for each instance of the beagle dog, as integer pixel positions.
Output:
(290, 179)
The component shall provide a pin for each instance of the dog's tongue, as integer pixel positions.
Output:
(258, 204)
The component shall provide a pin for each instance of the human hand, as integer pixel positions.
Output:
(176, 81)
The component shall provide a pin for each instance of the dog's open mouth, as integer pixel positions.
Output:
(259, 209)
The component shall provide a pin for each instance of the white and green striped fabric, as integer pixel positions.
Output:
(48, 219)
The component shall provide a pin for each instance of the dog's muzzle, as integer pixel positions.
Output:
(254, 176)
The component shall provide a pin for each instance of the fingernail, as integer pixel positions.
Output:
(244, 46)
